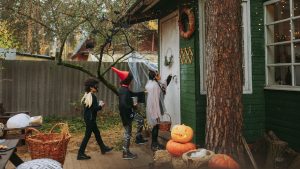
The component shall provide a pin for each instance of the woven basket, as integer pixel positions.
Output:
(165, 125)
(48, 145)
(197, 162)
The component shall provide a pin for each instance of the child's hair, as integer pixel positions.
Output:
(128, 79)
(91, 82)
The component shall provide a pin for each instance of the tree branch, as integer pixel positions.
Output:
(31, 18)
(80, 68)
(131, 50)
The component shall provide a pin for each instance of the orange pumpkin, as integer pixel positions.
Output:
(177, 149)
(222, 161)
(182, 133)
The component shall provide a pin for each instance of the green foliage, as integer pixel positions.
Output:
(7, 40)
(105, 121)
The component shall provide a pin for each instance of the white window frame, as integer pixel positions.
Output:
(292, 87)
(247, 87)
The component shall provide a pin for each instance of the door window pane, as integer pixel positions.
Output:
(279, 32)
(297, 52)
(278, 11)
(279, 54)
(297, 75)
(296, 7)
(296, 23)
(280, 75)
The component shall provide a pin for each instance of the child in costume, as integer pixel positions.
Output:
(91, 107)
(127, 113)
(155, 104)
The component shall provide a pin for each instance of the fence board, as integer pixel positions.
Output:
(47, 89)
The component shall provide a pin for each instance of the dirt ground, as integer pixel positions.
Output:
(112, 138)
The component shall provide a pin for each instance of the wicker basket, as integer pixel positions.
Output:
(165, 125)
(197, 162)
(48, 145)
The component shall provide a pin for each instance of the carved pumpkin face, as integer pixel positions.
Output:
(222, 161)
(177, 149)
(182, 133)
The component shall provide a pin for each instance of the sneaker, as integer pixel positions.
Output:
(140, 140)
(83, 157)
(106, 150)
(128, 155)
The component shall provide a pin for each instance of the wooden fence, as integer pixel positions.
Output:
(44, 88)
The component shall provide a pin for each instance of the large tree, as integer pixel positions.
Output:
(61, 20)
(224, 76)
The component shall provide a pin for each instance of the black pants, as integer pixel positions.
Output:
(91, 127)
(128, 129)
(155, 134)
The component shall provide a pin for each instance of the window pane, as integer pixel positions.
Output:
(297, 75)
(297, 51)
(278, 11)
(279, 54)
(279, 32)
(296, 7)
(296, 23)
(280, 75)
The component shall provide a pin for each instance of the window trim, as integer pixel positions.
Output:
(268, 86)
(247, 87)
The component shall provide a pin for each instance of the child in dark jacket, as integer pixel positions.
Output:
(126, 108)
(91, 107)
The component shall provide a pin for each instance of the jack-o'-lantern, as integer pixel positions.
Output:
(222, 161)
(177, 149)
(182, 133)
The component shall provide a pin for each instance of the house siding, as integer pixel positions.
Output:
(193, 105)
(283, 115)
(254, 103)
(262, 111)
(189, 83)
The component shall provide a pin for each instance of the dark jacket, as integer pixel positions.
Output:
(90, 113)
(125, 105)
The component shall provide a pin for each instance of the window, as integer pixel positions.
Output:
(282, 43)
(246, 43)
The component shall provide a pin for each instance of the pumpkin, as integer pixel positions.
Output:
(182, 133)
(222, 161)
(177, 149)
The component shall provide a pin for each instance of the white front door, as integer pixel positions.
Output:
(169, 46)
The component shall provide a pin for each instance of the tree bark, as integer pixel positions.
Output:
(30, 29)
(224, 77)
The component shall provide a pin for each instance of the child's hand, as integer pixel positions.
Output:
(101, 103)
(158, 120)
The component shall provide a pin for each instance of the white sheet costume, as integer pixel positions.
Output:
(155, 101)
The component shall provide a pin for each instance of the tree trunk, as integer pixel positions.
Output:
(29, 29)
(224, 77)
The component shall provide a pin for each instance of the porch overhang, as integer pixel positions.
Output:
(145, 10)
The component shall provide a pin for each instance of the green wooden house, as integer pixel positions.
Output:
(271, 53)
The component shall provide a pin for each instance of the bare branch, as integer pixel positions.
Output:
(80, 68)
(117, 61)
(31, 18)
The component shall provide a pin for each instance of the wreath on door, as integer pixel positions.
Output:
(186, 29)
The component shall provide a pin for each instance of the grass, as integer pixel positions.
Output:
(105, 120)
